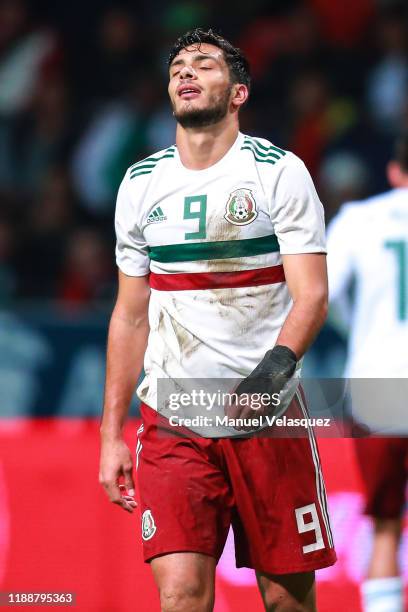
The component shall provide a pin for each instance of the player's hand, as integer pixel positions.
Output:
(116, 473)
(269, 377)
(246, 408)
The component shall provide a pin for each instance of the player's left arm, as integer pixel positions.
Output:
(298, 219)
(306, 278)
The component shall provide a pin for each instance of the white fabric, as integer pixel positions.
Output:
(215, 333)
(358, 242)
(383, 595)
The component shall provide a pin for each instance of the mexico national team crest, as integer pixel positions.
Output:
(148, 526)
(241, 207)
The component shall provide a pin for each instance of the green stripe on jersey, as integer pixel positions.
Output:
(140, 173)
(146, 166)
(150, 163)
(152, 158)
(264, 147)
(269, 159)
(258, 159)
(262, 153)
(226, 249)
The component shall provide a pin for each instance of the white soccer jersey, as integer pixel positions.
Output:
(368, 240)
(212, 242)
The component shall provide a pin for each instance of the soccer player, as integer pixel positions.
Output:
(368, 242)
(222, 274)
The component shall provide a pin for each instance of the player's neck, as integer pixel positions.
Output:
(204, 147)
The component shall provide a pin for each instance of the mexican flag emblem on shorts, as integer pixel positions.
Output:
(148, 526)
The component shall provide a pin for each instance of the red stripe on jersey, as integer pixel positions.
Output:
(217, 280)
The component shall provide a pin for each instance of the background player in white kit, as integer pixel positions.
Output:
(368, 243)
(221, 250)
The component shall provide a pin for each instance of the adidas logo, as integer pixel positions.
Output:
(156, 215)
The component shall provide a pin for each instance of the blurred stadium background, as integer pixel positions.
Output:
(83, 96)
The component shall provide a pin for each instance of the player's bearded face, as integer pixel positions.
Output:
(200, 86)
(191, 116)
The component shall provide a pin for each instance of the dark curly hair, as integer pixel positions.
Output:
(236, 61)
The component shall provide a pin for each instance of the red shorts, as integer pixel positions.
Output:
(383, 464)
(270, 490)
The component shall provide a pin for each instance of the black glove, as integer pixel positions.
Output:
(271, 374)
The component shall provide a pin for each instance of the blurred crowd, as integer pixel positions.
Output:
(83, 95)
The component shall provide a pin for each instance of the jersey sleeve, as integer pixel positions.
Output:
(296, 211)
(131, 247)
(340, 259)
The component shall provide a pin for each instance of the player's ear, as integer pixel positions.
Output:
(239, 95)
(394, 174)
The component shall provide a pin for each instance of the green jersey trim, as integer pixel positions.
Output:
(262, 153)
(146, 166)
(196, 251)
(266, 148)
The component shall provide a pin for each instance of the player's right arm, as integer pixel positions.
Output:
(127, 340)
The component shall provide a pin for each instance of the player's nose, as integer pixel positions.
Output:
(187, 72)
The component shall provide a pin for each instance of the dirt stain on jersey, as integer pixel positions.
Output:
(230, 306)
(219, 230)
(168, 356)
(246, 311)
(188, 343)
